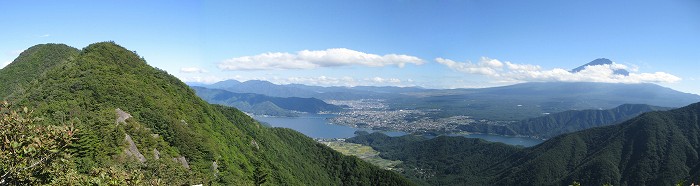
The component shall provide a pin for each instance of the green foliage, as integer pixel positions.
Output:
(295, 159)
(221, 145)
(31, 64)
(575, 183)
(442, 160)
(655, 148)
(260, 174)
(564, 122)
(29, 151)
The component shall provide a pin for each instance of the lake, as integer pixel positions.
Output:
(316, 126)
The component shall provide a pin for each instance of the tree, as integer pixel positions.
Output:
(28, 151)
(260, 174)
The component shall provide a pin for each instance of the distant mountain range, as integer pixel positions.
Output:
(655, 148)
(527, 100)
(265, 105)
(512, 102)
(307, 91)
(564, 122)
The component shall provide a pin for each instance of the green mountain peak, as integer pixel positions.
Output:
(31, 64)
(195, 142)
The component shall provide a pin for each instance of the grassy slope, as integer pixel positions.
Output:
(363, 152)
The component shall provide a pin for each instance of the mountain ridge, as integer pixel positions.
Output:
(497, 103)
(564, 122)
(309, 91)
(220, 145)
(32, 63)
(527, 100)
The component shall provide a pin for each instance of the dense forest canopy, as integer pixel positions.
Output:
(136, 124)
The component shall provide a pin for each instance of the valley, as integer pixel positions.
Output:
(427, 136)
(515, 110)
(451, 137)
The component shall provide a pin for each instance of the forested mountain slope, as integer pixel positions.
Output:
(32, 63)
(564, 122)
(655, 148)
(136, 122)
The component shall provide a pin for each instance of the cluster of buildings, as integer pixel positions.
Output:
(400, 120)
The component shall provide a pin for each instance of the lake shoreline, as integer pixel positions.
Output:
(317, 126)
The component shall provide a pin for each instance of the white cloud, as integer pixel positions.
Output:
(320, 81)
(316, 81)
(340, 81)
(192, 70)
(45, 35)
(385, 80)
(202, 79)
(486, 67)
(309, 59)
(511, 72)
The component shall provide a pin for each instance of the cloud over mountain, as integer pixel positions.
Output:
(512, 72)
(309, 59)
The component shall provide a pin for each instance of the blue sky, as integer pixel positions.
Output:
(434, 44)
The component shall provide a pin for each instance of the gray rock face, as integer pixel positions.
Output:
(255, 143)
(215, 168)
(122, 116)
(182, 161)
(156, 154)
(132, 150)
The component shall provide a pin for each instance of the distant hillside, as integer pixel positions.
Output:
(262, 87)
(528, 100)
(307, 91)
(139, 124)
(261, 104)
(564, 122)
(442, 160)
(655, 148)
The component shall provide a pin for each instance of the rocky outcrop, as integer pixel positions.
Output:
(255, 144)
(132, 150)
(156, 154)
(122, 116)
(215, 168)
(182, 161)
